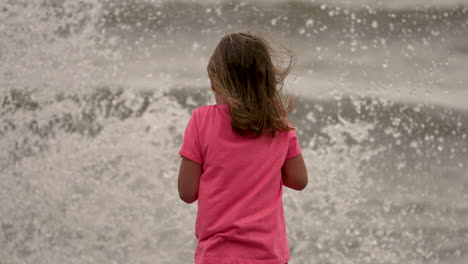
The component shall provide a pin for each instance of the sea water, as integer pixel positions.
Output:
(95, 97)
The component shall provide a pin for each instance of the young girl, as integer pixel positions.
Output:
(238, 154)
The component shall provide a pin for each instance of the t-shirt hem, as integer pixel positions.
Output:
(239, 261)
(294, 155)
(190, 156)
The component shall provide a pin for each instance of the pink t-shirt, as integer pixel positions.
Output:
(240, 216)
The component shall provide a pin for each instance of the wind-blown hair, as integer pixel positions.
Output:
(243, 74)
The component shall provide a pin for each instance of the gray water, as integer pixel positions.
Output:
(95, 97)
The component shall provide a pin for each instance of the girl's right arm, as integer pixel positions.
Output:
(294, 173)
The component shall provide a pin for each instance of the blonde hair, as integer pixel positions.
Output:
(243, 74)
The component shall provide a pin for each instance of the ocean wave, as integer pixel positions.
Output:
(417, 132)
(293, 17)
(411, 120)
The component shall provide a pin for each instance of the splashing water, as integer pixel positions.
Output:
(52, 46)
(89, 162)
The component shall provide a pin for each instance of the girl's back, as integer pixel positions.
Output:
(237, 156)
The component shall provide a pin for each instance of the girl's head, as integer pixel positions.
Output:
(243, 75)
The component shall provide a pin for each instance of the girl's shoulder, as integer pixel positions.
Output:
(208, 108)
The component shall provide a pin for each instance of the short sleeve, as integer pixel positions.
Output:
(191, 148)
(293, 149)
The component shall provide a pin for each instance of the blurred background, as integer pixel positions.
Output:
(95, 96)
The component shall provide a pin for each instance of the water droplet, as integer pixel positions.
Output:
(387, 206)
(273, 21)
(309, 22)
(401, 165)
(310, 116)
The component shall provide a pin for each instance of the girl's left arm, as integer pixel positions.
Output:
(189, 180)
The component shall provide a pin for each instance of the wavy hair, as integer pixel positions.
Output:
(243, 74)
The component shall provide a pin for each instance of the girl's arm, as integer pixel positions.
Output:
(294, 173)
(189, 180)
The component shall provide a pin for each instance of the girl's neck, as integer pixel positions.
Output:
(219, 99)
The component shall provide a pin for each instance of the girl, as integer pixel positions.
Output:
(236, 156)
